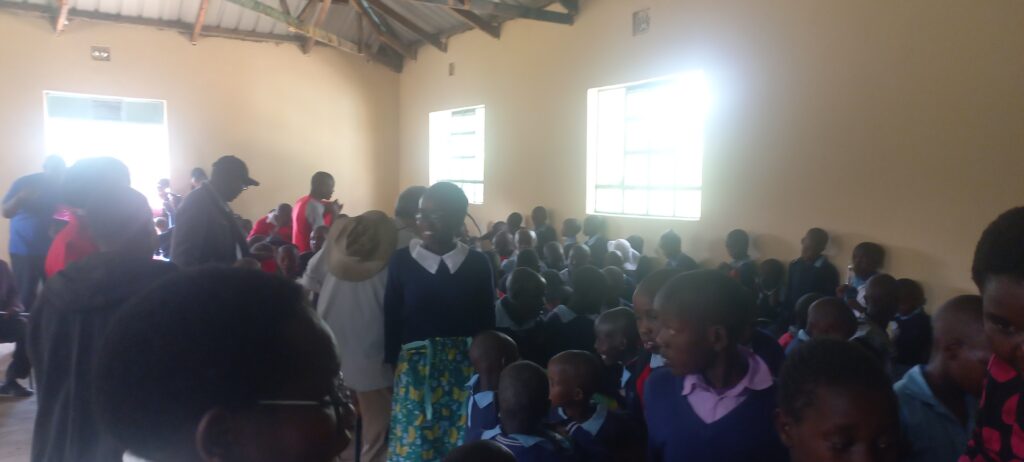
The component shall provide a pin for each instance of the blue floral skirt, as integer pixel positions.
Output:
(428, 410)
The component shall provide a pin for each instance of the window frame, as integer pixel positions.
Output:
(435, 177)
(594, 117)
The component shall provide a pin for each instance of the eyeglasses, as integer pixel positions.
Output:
(338, 399)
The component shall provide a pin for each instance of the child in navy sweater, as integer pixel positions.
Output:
(490, 352)
(715, 400)
(618, 345)
(601, 434)
(523, 399)
(648, 326)
(572, 327)
(836, 404)
(518, 313)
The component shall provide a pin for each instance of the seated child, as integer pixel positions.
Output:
(616, 283)
(255, 374)
(882, 297)
(649, 327)
(812, 273)
(836, 404)
(913, 338)
(601, 434)
(868, 258)
(557, 292)
(518, 313)
(478, 451)
(830, 317)
(553, 257)
(670, 246)
(797, 332)
(617, 344)
(523, 400)
(715, 400)
(938, 401)
(490, 352)
(288, 262)
(579, 257)
(645, 265)
(742, 268)
(998, 271)
(771, 274)
(515, 222)
(614, 259)
(266, 254)
(636, 242)
(572, 327)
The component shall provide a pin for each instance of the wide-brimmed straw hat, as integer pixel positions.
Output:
(359, 247)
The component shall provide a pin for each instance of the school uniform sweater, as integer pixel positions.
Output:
(481, 410)
(677, 433)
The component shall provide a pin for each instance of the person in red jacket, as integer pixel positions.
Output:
(314, 209)
(276, 224)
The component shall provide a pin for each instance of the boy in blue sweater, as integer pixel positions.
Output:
(490, 352)
(518, 313)
(715, 400)
(523, 399)
(601, 434)
(618, 345)
(572, 327)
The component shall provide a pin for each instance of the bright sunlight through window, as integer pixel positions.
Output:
(645, 147)
(133, 131)
(457, 150)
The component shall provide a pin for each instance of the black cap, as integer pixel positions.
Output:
(233, 166)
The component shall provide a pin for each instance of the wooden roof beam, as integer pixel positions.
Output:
(318, 22)
(494, 30)
(388, 37)
(505, 10)
(409, 25)
(62, 15)
(200, 19)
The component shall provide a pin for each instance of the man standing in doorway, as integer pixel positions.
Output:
(314, 210)
(30, 205)
(206, 230)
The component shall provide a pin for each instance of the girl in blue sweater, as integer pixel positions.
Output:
(714, 400)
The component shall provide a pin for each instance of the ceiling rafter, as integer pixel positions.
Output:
(62, 15)
(490, 28)
(383, 33)
(321, 16)
(506, 10)
(410, 25)
(200, 19)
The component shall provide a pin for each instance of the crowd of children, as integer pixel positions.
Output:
(531, 344)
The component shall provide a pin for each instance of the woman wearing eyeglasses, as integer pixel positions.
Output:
(439, 294)
(225, 365)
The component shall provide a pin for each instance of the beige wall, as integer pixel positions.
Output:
(898, 122)
(285, 113)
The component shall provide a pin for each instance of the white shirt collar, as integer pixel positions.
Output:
(431, 261)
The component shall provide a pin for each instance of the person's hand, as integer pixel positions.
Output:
(841, 291)
(334, 208)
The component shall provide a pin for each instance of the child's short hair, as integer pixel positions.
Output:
(1000, 251)
(650, 285)
(803, 305)
(227, 334)
(708, 297)
(493, 347)
(828, 363)
(873, 251)
(636, 242)
(590, 288)
(819, 236)
(622, 320)
(523, 393)
(583, 367)
(482, 450)
(738, 238)
(910, 288)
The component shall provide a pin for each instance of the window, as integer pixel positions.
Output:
(645, 147)
(457, 150)
(131, 130)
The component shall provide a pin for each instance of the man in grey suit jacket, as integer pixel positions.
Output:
(206, 230)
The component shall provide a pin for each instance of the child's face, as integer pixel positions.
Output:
(646, 322)
(609, 343)
(685, 345)
(562, 389)
(968, 365)
(1003, 301)
(811, 246)
(843, 425)
(863, 263)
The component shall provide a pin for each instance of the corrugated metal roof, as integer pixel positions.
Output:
(342, 19)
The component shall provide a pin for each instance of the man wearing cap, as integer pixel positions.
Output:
(350, 274)
(206, 230)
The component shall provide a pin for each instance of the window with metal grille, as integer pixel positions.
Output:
(457, 150)
(645, 147)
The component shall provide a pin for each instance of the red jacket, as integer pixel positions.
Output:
(263, 227)
(301, 228)
(70, 244)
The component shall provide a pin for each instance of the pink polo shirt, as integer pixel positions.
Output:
(710, 404)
